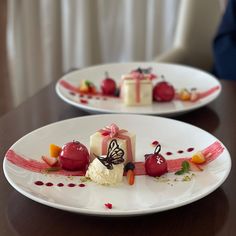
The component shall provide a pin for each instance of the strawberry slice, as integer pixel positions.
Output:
(50, 161)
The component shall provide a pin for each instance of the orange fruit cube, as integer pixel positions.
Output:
(198, 158)
(184, 95)
(54, 150)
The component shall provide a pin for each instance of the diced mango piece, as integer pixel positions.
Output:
(184, 95)
(54, 150)
(87, 87)
(198, 158)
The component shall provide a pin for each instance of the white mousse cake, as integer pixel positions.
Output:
(136, 89)
(100, 141)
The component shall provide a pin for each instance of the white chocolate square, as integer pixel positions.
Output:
(96, 144)
(129, 95)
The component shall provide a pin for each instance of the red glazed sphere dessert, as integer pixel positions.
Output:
(74, 156)
(163, 92)
(155, 164)
(108, 86)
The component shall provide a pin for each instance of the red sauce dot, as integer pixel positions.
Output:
(72, 93)
(81, 95)
(169, 153)
(155, 143)
(49, 184)
(39, 183)
(180, 151)
(83, 101)
(71, 185)
(104, 99)
(81, 185)
(190, 149)
(89, 97)
(97, 98)
(60, 185)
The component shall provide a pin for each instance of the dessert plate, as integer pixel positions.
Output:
(147, 195)
(179, 76)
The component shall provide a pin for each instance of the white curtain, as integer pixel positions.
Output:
(47, 38)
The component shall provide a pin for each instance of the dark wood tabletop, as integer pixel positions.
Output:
(215, 214)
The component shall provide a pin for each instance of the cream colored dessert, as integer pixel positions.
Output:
(136, 92)
(100, 142)
(100, 174)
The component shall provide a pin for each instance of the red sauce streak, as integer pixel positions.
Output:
(208, 92)
(190, 149)
(60, 185)
(36, 166)
(49, 184)
(71, 185)
(81, 185)
(81, 95)
(68, 86)
(39, 183)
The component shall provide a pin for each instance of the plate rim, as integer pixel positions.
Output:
(115, 213)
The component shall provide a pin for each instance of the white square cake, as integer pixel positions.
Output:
(136, 92)
(125, 140)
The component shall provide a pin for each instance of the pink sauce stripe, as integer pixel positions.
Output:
(139, 168)
(68, 86)
(208, 92)
(36, 166)
(211, 152)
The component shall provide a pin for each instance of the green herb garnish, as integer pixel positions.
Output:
(185, 168)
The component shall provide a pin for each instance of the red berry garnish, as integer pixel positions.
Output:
(163, 92)
(108, 205)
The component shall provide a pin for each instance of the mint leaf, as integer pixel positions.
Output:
(88, 83)
(180, 172)
(185, 168)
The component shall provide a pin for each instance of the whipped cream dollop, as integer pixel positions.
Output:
(100, 174)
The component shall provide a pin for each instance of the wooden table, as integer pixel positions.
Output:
(212, 215)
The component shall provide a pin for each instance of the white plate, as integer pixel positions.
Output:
(146, 195)
(179, 76)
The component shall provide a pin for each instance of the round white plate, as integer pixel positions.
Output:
(147, 195)
(178, 75)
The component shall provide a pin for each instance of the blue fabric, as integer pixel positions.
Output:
(224, 45)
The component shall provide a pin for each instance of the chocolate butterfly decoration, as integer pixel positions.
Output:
(114, 155)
